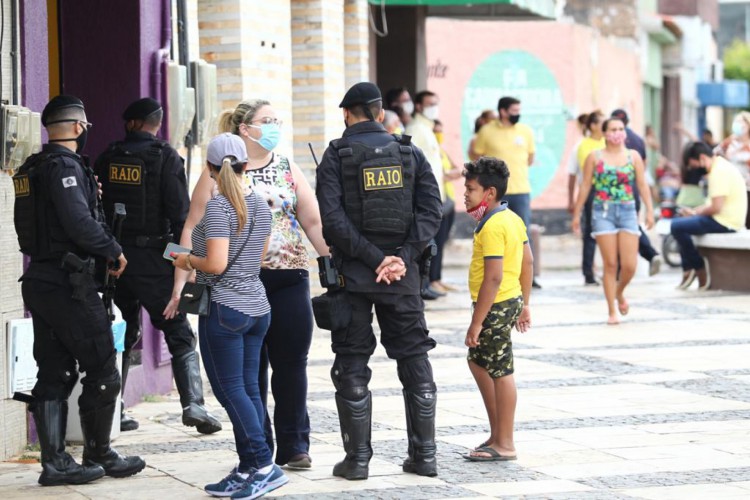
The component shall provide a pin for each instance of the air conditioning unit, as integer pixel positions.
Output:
(20, 348)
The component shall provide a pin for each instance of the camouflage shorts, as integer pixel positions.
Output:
(495, 350)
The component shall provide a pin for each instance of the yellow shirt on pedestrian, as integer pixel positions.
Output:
(588, 146)
(500, 235)
(725, 180)
(513, 144)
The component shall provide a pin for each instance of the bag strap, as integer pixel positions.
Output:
(244, 244)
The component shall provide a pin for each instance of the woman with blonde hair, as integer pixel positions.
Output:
(611, 172)
(227, 248)
(284, 270)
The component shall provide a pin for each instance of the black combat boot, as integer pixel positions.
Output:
(97, 427)
(420, 403)
(355, 418)
(58, 467)
(126, 423)
(187, 378)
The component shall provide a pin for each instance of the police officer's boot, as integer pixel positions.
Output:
(420, 403)
(355, 419)
(97, 427)
(58, 467)
(187, 378)
(126, 423)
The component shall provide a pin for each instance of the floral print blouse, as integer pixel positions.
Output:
(275, 183)
(613, 183)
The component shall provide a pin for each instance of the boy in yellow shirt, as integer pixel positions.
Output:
(500, 278)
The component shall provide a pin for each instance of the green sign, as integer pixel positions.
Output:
(519, 74)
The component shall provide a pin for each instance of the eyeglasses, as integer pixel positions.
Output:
(268, 121)
(88, 125)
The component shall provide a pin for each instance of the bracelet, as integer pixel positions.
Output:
(189, 264)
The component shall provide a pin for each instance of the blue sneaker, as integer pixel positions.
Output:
(229, 485)
(260, 484)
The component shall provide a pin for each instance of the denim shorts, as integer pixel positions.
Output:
(611, 218)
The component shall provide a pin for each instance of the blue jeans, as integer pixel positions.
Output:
(685, 227)
(521, 205)
(230, 344)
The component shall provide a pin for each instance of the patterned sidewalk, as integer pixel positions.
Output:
(658, 407)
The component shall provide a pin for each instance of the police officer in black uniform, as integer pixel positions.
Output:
(60, 227)
(380, 206)
(148, 176)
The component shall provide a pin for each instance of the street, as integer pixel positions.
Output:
(657, 407)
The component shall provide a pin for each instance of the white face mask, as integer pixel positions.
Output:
(408, 107)
(431, 112)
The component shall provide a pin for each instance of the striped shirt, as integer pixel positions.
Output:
(240, 288)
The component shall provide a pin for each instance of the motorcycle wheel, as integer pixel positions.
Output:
(670, 250)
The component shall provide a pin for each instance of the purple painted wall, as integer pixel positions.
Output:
(34, 54)
(108, 52)
(107, 49)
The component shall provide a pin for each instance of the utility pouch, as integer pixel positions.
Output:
(332, 310)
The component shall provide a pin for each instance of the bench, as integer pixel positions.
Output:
(728, 257)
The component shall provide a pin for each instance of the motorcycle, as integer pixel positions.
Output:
(670, 249)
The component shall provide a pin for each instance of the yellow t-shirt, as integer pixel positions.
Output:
(511, 144)
(725, 180)
(450, 189)
(588, 146)
(500, 235)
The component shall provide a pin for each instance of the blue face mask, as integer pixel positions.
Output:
(270, 134)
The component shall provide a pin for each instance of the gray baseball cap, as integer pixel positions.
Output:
(223, 145)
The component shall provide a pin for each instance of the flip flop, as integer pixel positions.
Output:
(486, 443)
(494, 456)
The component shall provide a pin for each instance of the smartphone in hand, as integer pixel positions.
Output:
(174, 248)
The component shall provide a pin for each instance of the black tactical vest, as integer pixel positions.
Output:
(134, 178)
(378, 187)
(40, 234)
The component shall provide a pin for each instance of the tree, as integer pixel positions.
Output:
(737, 61)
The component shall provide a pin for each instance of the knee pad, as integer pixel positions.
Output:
(353, 393)
(415, 371)
(350, 371)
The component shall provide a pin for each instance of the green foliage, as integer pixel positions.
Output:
(737, 61)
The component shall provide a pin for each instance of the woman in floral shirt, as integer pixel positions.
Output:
(610, 172)
(284, 271)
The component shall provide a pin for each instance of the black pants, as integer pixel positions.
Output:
(449, 214)
(403, 333)
(286, 347)
(152, 292)
(589, 243)
(67, 331)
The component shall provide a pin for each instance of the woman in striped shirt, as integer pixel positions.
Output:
(227, 248)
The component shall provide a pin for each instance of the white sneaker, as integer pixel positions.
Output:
(707, 284)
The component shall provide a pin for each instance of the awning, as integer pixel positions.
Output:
(469, 8)
(727, 94)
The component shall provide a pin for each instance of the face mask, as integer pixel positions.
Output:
(478, 212)
(81, 140)
(270, 134)
(408, 107)
(513, 119)
(431, 112)
(439, 137)
(739, 129)
(616, 138)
